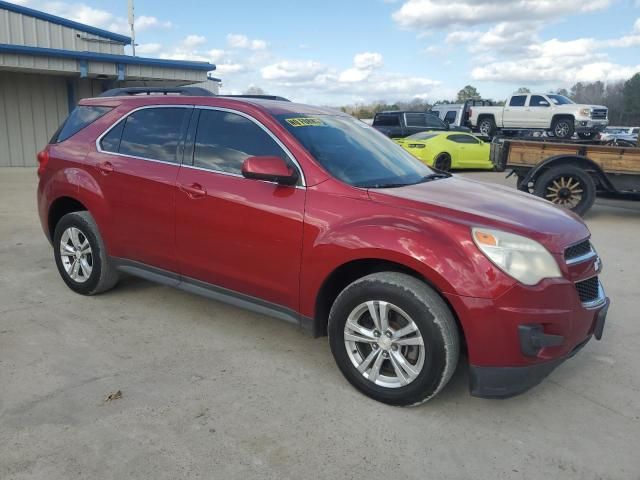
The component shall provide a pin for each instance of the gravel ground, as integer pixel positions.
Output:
(211, 391)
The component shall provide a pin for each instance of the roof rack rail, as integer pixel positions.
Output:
(127, 91)
(263, 97)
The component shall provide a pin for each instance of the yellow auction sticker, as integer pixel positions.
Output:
(305, 122)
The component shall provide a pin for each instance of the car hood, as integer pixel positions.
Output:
(574, 106)
(492, 206)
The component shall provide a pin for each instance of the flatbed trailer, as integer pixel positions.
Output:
(569, 174)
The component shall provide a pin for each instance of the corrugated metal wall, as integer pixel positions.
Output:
(18, 29)
(32, 107)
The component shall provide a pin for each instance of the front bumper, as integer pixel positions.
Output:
(505, 382)
(588, 125)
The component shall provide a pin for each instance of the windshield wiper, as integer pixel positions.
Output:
(434, 176)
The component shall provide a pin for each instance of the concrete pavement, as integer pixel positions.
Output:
(211, 391)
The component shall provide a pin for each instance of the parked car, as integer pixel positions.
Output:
(623, 136)
(311, 216)
(555, 114)
(448, 150)
(457, 114)
(400, 124)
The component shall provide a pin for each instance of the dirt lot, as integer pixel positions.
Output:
(210, 391)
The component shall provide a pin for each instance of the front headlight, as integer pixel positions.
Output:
(585, 112)
(519, 257)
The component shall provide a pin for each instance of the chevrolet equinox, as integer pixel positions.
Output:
(311, 216)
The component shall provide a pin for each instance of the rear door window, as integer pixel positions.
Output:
(81, 117)
(154, 133)
(518, 101)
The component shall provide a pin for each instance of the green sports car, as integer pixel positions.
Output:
(448, 150)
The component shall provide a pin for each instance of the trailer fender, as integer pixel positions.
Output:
(576, 160)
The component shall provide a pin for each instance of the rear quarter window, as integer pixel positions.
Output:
(81, 117)
(387, 120)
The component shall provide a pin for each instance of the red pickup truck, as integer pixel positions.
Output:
(311, 216)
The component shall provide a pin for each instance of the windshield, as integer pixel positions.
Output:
(354, 152)
(560, 99)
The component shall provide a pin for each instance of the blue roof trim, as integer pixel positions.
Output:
(106, 57)
(64, 22)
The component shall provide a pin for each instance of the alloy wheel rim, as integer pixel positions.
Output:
(562, 129)
(384, 344)
(484, 128)
(565, 191)
(76, 254)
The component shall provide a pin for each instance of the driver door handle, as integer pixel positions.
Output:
(195, 190)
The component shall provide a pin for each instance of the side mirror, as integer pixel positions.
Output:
(270, 169)
(543, 104)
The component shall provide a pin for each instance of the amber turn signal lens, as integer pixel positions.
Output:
(485, 238)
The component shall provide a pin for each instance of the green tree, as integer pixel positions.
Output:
(631, 95)
(467, 93)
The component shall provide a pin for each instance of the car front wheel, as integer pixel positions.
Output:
(394, 338)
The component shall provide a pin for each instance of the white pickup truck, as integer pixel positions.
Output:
(552, 113)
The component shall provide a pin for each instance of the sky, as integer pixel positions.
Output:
(343, 52)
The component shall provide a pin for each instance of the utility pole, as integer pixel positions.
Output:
(133, 28)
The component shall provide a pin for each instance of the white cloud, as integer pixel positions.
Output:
(193, 41)
(229, 68)
(363, 66)
(149, 48)
(636, 26)
(80, 12)
(367, 60)
(293, 70)
(242, 41)
(429, 14)
(145, 22)
(216, 54)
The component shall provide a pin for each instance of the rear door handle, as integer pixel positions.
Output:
(105, 168)
(195, 190)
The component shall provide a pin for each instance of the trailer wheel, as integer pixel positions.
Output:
(567, 186)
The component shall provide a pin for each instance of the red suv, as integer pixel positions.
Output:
(312, 216)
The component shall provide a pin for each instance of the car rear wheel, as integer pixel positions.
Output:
(487, 126)
(394, 338)
(80, 255)
(443, 162)
(567, 186)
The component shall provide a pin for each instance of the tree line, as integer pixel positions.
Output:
(622, 98)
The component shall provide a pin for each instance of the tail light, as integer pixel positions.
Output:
(43, 160)
(469, 113)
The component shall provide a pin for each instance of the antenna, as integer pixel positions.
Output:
(133, 28)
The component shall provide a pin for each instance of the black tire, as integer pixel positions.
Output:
(563, 127)
(442, 162)
(562, 184)
(487, 126)
(586, 135)
(103, 276)
(428, 312)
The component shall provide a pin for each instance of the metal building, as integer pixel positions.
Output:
(48, 63)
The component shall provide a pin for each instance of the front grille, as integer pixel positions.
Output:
(577, 250)
(599, 113)
(588, 290)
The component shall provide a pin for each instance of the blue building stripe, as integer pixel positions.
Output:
(105, 57)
